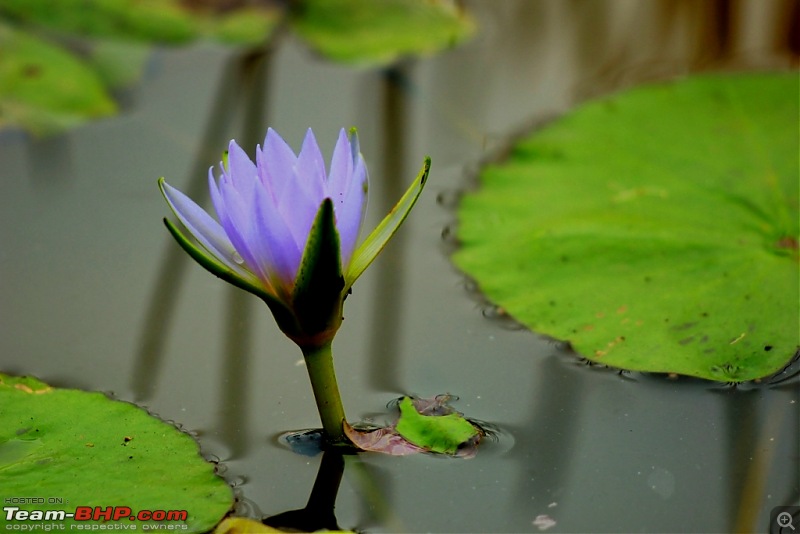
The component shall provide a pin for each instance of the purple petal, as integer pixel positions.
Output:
(301, 196)
(272, 243)
(298, 209)
(351, 211)
(276, 163)
(310, 170)
(341, 174)
(240, 167)
(238, 225)
(202, 226)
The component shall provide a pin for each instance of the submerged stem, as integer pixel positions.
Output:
(319, 362)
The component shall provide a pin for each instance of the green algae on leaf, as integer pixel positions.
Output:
(86, 449)
(655, 230)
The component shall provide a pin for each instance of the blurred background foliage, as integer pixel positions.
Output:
(61, 61)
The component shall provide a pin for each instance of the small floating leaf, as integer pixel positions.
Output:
(656, 230)
(437, 433)
(85, 449)
(423, 425)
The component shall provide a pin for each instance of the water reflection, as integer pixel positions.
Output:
(390, 272)
(244, 80)
(174, 262)
(318, 513)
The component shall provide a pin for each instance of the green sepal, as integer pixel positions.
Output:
(318, 291)
(436, 433)
(224, 272)
(374, 243)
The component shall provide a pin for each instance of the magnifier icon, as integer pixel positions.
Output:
(784, 520)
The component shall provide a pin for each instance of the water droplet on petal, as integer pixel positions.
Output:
(237, 259)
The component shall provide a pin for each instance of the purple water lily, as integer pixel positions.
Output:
(266, 210)
(287, 230)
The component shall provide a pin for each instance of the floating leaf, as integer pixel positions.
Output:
(424, 425)
(155, 21)
(656, 230)
(444, 434)
(77, 449)
(44, 88)
(369, 32)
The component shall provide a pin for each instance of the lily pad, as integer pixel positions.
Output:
(368, 32)
(64, 449)
(152, 21)
(655, 230)
(50, 81)
(44, 88)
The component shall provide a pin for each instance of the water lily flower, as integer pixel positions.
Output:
(286, 230)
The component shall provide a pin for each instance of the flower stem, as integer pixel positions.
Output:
(319, 362)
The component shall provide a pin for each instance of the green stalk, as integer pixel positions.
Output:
(319, 362)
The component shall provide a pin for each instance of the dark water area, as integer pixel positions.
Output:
(94, 293)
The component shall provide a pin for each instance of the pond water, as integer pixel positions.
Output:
(96, 295)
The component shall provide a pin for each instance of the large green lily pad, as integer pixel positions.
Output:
(655, 230)
(61, 449)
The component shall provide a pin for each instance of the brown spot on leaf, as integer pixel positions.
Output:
(787, 242)
(32, 71)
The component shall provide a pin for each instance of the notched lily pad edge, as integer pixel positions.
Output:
(563, 348)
